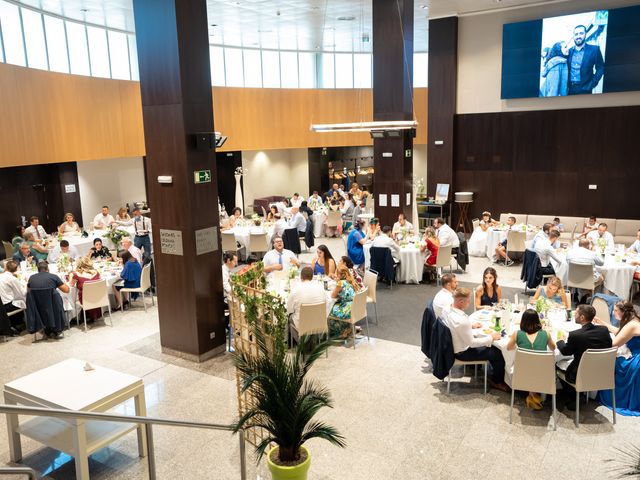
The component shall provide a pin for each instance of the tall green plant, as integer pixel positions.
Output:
(285, 400)
(627, 463)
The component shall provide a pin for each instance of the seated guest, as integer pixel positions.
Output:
(314, 201)
(444, 298)
(355, 242)
(467, 346)
(385, 241)
(297, 221)
(531, 336)
(279, 258)
(23, 254)
(62, 250)
(305, 210)
(35, 229)
(579, 341)
(279, 228)
(85, 272)
(431, 243)
(273, 214)
(600, 237)
(545, 251)
(323, 263)
(296, 200)
(104, 219)
(558, 225)
(358, 209)
(128, 245)
(627, 372)
(236, 214)
(51, 315)
(634, 248)
(229, 262)
(99, 251)
(373, 229)
(355, 191)
(346, 208)
(344, 291)
(589, 226)
(402, 226)
(334, 192)
(39, 249)
(69, 225)
(346, 261)
(552, 291)
(122, 217)
(13, 294)
(542, 233)
(477, 244)
(129, 277)
(18, 238)
(501, 248)
(305, 293)
(489, 293)
(446, 235)
(584, 255)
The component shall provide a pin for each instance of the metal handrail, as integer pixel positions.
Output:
(147, 421)
(29, 472)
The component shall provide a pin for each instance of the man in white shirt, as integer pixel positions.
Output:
(63, 249)
(501, 248)
(635, 246)
(543, 233)
(128, 245)
(13, 295)
(467, 346)
(104, 219)
(584, 255)
(296, 200)
(306, 292)
(314, 201)
(279, 258)
(385, 241)
(444, 298)
(601, 236)
(401, 225)
(142, 229)
(445, 234)
(298, 221)
(230, 261)
(35, 229)
(546, 252)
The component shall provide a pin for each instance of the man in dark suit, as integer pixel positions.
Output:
(589, 336)
(586, 65)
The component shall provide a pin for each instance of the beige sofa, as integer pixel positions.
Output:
(623, 231)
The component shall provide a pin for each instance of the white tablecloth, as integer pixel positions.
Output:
(496, 236)
(242, 235)
(83, 245)
(278, 284)
(318, 218)
(411, 263)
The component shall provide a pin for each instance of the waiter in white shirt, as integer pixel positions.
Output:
(104, 219)
(467, 346)
(546, 252)
(36, 229)
(601, 236)
(385, 241)
(142, 229)
(298, 221)
(444, 298)
(230, 261)
(445, 234)
(305, 293)
(279, 258)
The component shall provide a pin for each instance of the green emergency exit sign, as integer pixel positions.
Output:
(202, 176)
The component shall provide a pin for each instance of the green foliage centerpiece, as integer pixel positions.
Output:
(116, 235)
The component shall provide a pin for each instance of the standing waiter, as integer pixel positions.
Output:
(142, 228)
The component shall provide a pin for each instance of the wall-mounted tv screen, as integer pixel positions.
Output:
(583, 53)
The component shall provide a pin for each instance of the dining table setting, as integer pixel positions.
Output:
(411, 258)
(498, 233)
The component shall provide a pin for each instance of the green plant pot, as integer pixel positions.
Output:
(297, 472)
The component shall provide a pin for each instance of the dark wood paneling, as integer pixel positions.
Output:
(543, 162)
(226, 164)
(443, 67)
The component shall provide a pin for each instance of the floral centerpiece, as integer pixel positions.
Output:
(65, 264)
(116, 235)
(602, 244)
(241, 171)
(543, 305)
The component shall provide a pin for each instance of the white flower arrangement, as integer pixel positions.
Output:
(241, 171)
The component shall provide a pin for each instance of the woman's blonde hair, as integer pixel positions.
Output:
(84, 264)
(68, 214)
(344, 273)
(555, 281)
(121, 210)
(430, 232)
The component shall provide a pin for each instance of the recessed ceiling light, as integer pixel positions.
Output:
(347, 19)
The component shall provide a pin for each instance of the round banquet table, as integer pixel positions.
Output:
(243, 234)
(318, 218)
(411, 262)
(497, 235)
(84, 244)
(277, 284)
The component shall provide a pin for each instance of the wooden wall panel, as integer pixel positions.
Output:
(50, 117)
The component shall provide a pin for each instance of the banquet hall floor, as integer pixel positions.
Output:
(395, 415)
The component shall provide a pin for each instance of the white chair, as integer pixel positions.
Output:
(358, 312)
(8, 250)
(595, 372)
(334, 219)
(145, 285)
(443, 259)
(264, 212)
(464, 363)
(229, 243)
(94, 295)
(476, 223)
(312, 321)
(258, 243)
(581, 276)
(224, 222)
(602, 309)
(515, 243)
(371, 282)
(534, 371)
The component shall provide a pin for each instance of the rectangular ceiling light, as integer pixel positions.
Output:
(365, 126)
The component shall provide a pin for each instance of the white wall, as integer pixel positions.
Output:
(113, 182)
(480, 61)
(420, 162)
(275, 172)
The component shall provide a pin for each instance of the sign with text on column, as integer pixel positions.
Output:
(171, 242)
(206, 240)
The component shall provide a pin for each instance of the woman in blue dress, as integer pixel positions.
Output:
(627, 367)
(323, 264)
(552, 291)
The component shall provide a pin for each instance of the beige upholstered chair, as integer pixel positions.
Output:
(95, 295)
(371, 282)
(312, 321)
(602, 309)
(581, 276)
(8, 250)
(358, 312)
(443, 259)
(515, 242)
(470, 362)
(258, 243)
(229, 242)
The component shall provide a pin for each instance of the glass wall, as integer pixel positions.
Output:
(36, 40)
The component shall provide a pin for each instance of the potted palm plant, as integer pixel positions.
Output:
(285, 402)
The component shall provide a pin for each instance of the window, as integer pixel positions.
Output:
(233, 67)
(252, 68)
(270, 69)
(344, 70)
(56, 44)
(1, 46)
(289, 69)
(362, 70)
(307, 69)
(34, 39)
(78, 51)
(216, 61)
(328, 71)
(133, 57)
(119, 55)
(12, 34)
(98, 52)
(420, 69)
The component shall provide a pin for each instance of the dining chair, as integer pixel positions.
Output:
(358, 312)
(229, 243)
(94, 295)
(371, 282)
(534, 371)
(581, 276)
(476, 223)
(602, 309)
(475, 363)
(443, 260)
(145, 285)
(258, 243)
(312, 321)
(515, 243)
(8, 250)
